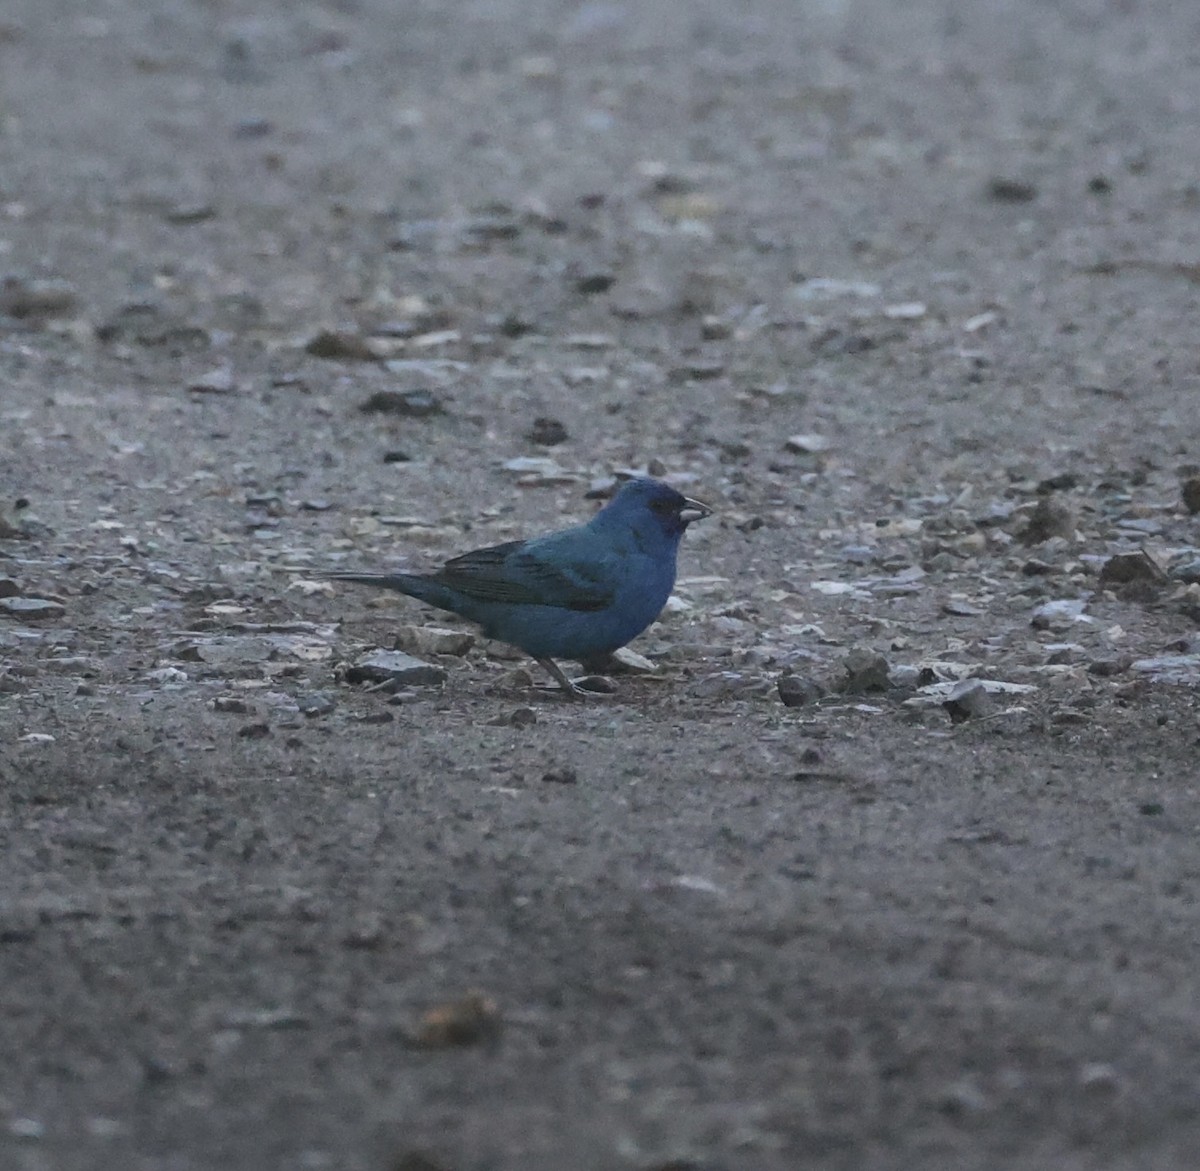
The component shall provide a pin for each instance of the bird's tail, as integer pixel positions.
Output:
(412, 584)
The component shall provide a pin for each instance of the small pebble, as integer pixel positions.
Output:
(866, 670)
(519, 717)
(434, 640)
(231, 705)
(31, 609)
(595, 282)
(395, 668)
(218, 381)
(547, 432)
(340, 344)
(730, 685)
(410, 404)
(1191, 494)
(1007, 190)
(968, 701)
(318, 703)
(1050, 518)
(597, 684)
(1060, 614)
(807, 444)
(797, 690)
(471, 1019)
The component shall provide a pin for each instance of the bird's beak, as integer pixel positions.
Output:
(693, 510)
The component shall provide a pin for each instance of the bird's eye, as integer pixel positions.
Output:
(664, 507)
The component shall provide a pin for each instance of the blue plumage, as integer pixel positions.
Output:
(576, 594)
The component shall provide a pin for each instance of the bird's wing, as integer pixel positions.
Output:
(524, 573)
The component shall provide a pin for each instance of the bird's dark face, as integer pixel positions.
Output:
(649, 505)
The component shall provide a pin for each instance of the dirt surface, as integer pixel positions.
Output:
(908, 292)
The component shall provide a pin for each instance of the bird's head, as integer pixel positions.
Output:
(653, 508)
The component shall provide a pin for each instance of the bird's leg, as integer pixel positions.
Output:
(569, 688)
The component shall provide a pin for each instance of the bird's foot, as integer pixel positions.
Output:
(595, 686)
(587, 687)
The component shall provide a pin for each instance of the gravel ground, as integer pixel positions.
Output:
(883, 855)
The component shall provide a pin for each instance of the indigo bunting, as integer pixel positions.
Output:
(576, 594)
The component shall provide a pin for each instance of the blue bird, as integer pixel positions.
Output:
(576, 594)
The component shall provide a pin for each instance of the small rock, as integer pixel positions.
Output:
(963, 1097)
(1106, 668)
(518, 679)
(340, 344)
(959, 609)
(248, 128)
(797, 690)
(620, 662)
(218, 381)
(547, 432)
(1062, 653)
(715, 329)
(1188, 572)
(980, 321)
(416, 1161)
(256, 731)
(410, 404)
(367, 931)
(561, 776)
(699, 370)
(35, 300)
(1069, 717)
(1050, 518)
(1007, 190)
(866, 671)
(1134, 577)
(144, 324)
(519, 717)
(906, 311)
(907, 676)
(396, 669)
(626, 662)
(318, 703)
(595, 282)
(1179, 669)
(31, 609)
(435, 338)
(231, 705)
(471, 1019)
(1099, 1075)
(825, 288)
(730, 685)
(9, 588)
(1060, 614)
(1131, 569)
(487, 229)
(807, 444)
(189, 213)
(589, 341)
(166, 675)
(1060, 482)
(434, 640)
(969, 700)
(513, 325)
(1191, 494)
(597, 684)
(533, 465)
